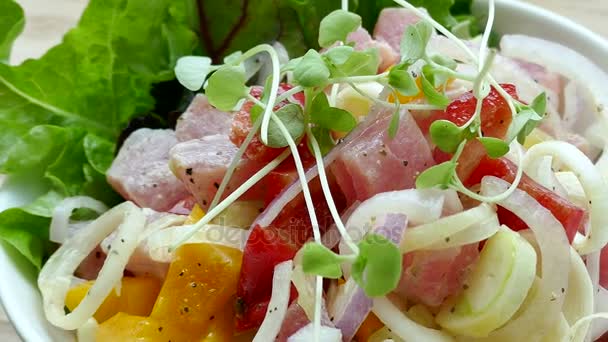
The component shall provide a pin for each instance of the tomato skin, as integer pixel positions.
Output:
(285, 173)
(569, 215)
(242, 125)
(269, 246)
(495, 120)
(474, 163)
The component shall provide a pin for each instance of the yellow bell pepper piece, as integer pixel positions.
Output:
(370, 325)
(196, 215)
(419, 96)
(222, 325)
(200, 283)
(124, 327)
(137, 297)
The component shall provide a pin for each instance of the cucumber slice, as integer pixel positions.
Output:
(495, 289)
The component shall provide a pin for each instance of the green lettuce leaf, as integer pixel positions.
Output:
(61, 114)
(28, 233)
(11, 25)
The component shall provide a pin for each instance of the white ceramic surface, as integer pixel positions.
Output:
(18, 292)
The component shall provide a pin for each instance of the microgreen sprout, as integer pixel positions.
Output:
(376, 262)
(376, 267)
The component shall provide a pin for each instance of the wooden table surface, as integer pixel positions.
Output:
(47, 21)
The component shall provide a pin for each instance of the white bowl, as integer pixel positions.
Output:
(18, 291)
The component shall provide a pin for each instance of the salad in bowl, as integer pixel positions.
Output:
(369, 172)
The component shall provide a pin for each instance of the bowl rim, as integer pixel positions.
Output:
(23, 327)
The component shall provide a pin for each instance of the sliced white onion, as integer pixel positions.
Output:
(61, 229)
(573, 189)
(159, 243)
(541, 171)
(349, 308)
(600, 327)
(351, 305)
(279, 299)
(482, 220)
(326, 334)
(305, 284)
(88, 332)
(565, 61)
(558, 331)
(579, 298)
(602, 163)
(403, 326)
(56, 275)
(420, 206)
(595, 187)
(545, 305)
(579, 109)
(452, 203)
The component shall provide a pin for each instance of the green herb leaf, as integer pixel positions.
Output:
(446, 135)
(226, 87)
(360, 63)
(311, 71)
(393, 126)
(414, 41)
(522, 125)
(191, 71)
(338, 55)
(319, 260)
(435, 76)
(539, 104)
(12, 22)
(495, 147)
(324, 139)
(377, 269)
(336, 119)
(439, 175)
(401, 80)
(445, 61)
(336, 26)
(431, 94)
(293, 118)
(291, 65)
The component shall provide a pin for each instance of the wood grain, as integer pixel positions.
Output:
(47, 21)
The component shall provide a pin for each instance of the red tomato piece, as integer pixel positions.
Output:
(269, 246)
(571, 217)
(241, 126)
(495, 120)
(604, 268)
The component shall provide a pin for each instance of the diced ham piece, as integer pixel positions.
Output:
(429, 277)
(183, 207)
(141, 173)
(202, 119)
(202, 163)
(363, 40)
(373, 162)
(391, 24)
(91, 265)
